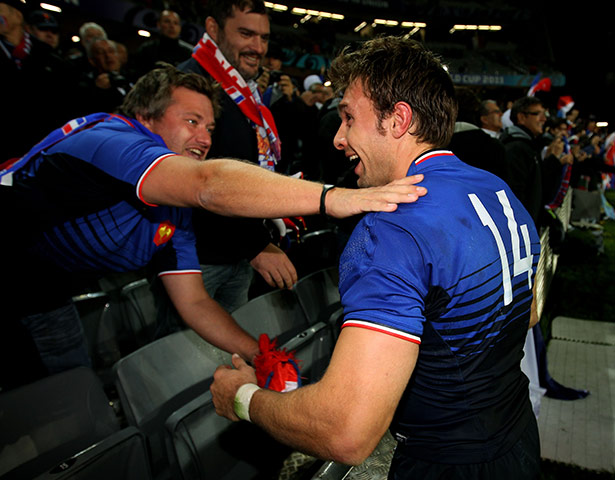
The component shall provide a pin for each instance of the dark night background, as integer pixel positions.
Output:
(577, 41)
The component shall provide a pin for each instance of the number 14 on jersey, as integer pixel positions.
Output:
(520, 265)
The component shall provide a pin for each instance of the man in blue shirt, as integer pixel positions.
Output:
(104, 194)
(437, 296)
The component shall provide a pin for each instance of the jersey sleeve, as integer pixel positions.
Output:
(179, 256)
(120, 150)
(384, 280)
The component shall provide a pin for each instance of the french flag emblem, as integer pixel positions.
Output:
(72, 125)
(235, 94)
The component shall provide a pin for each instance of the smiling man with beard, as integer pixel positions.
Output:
(231, 51)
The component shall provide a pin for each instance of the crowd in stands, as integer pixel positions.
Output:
(540, 151)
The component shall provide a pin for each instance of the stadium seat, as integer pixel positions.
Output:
(274, 313)
(159, 378)
(313, 348)
(204, 445)
(121, 456)
(139, 311)
(47, 421)
(100, 326)
(319, 297)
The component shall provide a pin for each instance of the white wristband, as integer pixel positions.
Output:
(242, 400)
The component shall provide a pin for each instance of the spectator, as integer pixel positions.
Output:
(535, 181)
(470, 143)
(430, 347)
(527, 172)
(572, 117)
(166, 47)
(314, 91)
(101, 194)
(44, 26)
(589, 164)
(103, 86)
(490, 118)
(269, 81)
(88, 32)
(557, 128)
(33, 79)
(235, 41)
(295, 120)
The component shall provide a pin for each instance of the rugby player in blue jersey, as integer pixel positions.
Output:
(103, 194)
(437, 296)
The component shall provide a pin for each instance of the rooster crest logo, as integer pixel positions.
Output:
(164, 232)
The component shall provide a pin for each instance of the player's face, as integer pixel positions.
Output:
(187, 124)
(361, 139)
(243, 41)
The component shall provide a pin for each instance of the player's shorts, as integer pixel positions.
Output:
(521, 462)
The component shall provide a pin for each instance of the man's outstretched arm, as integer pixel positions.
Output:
(236, 188)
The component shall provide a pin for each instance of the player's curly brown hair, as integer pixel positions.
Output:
(395, 69)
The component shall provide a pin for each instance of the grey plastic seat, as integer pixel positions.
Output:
(47, 421)
(318, 294)
(139, 311)
(101, 325)
(121, 456)
(313, 348)
(274, 313)
(319, 297)
(203, 445)
(160, 377)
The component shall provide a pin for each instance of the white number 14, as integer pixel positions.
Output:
(520, 265)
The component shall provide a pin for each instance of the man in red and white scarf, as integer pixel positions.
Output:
(231, 50)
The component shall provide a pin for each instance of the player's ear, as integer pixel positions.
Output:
(401, 119)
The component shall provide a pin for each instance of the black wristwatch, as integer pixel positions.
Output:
(325, 189)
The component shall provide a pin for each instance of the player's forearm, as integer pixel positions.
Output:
(312, 421)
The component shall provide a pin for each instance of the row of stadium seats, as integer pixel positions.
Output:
(166, 427)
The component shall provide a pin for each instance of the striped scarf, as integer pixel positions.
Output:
(245, 95)
(20, 52)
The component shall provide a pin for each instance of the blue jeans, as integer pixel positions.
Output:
(228, 284)
(59, 338)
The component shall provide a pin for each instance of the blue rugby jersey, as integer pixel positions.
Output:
(86, 189)
(453, 273)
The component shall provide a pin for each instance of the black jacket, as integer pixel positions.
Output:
(224, 240)
(533, 180)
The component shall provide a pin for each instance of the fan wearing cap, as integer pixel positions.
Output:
(315, 92)
(44, 26)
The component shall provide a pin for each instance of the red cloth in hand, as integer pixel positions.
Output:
(276, 369)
